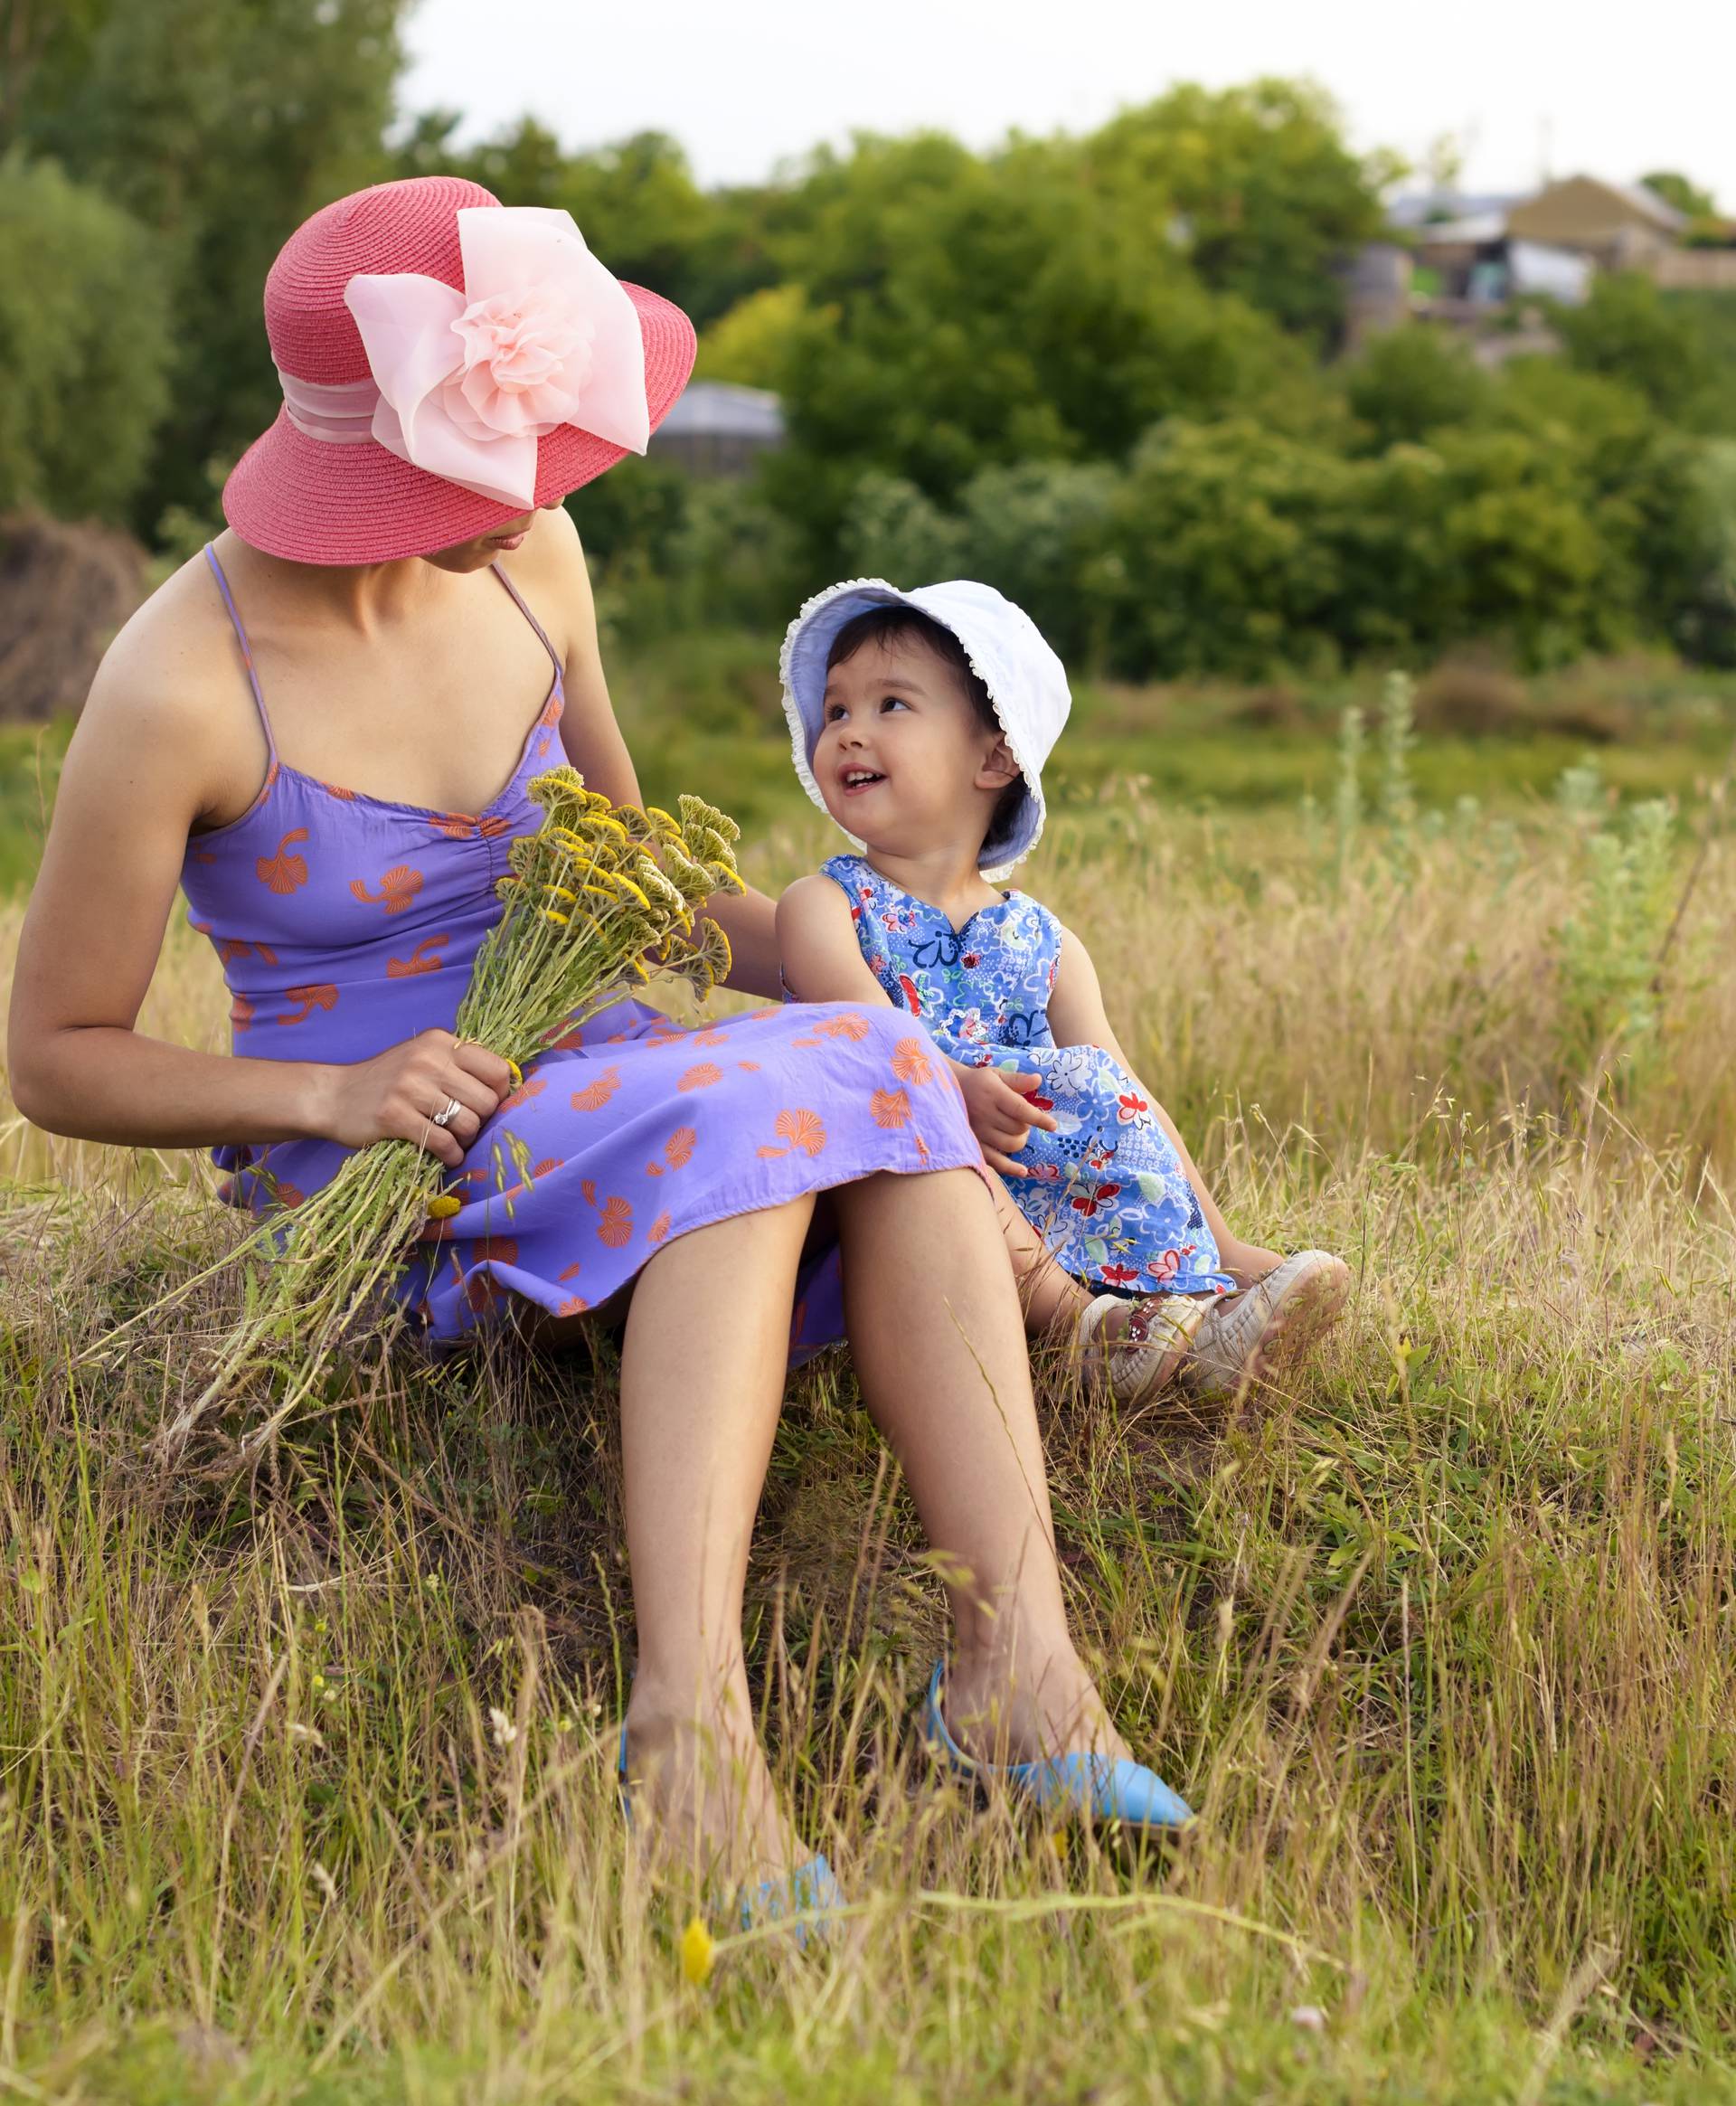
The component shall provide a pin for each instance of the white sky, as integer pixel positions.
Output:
(1610, 90)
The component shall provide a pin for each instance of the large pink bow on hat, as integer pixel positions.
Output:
(540, 335)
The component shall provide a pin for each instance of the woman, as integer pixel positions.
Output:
(308, 728)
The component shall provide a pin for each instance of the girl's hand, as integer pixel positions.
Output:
(395, 1095)
(995, 1102)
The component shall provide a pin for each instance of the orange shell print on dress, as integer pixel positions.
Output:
(798, 1130)
(310, 998)
(283, 872)
(422, 960)
(398, 887)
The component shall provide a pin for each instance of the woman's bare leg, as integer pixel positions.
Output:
(934, 1323)
(703, 1371)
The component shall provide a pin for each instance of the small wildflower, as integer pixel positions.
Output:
(505, 1732)
(564, 1724)
(697, 1953)
(444, 1205)
(1310, 2017)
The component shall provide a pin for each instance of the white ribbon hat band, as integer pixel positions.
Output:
(1026, 682)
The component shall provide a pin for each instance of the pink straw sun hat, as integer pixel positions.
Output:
(448, 364)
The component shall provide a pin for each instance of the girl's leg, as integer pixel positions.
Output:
(703, 1373)
(1052, 1300)
(933, 1316)
(1245, 1263)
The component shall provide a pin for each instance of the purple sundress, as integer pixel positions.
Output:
(347, 923)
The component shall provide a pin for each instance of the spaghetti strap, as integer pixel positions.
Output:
(518, 602)
(247, 651)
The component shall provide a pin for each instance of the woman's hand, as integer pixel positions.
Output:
(1000, 1117)
(396, 1094)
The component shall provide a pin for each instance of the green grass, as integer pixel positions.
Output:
(1440, 1644)
(705, 708)
(30, 769)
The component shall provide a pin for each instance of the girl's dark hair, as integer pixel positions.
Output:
(890, 625)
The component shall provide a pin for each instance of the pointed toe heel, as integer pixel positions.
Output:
(1099, 1789)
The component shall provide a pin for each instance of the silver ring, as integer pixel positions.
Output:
(445, 1118)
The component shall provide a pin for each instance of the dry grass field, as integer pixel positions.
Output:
(306, 1791)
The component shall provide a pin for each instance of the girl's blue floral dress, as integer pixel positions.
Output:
(1106, 1191)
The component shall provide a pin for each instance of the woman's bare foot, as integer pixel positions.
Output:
(702, 1800)
(1036, 1706)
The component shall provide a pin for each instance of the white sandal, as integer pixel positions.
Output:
(1246, 1339)
(1146, 1356)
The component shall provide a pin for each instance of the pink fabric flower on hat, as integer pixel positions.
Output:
(540, 335)
(526, 360)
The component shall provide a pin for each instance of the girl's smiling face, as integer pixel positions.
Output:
(902, 760)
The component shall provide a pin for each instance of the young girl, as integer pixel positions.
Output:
(920, 721)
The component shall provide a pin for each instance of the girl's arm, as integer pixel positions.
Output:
(556, 576)
(1077, 1017)
(822, 962)
(158, 748)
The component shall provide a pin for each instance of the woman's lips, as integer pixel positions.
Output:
(508, 541)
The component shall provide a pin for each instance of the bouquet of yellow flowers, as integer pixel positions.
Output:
(597, 899)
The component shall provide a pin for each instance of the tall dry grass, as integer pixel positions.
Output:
(308, 1784)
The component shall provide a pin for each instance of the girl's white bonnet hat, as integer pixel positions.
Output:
(1026, 683)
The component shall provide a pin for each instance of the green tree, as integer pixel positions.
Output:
(1410, 381)
(960, 314)
(1677, 190)
(1256, 184)
(1225, 563)
(84, 346)
(1039, 531)
(1628, 331)
(220, 128)
(635, 200)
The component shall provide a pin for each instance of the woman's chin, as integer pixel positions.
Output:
(485, 549)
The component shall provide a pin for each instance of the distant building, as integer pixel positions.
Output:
(1615, 226)
(717, 428)
(1471, 260)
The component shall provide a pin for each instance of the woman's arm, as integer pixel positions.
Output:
(556, 576)
(822, 962)
(1077, 1017)
(155, 750)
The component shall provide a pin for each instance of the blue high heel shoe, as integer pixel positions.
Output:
(811, 1891)
(1096, 1788)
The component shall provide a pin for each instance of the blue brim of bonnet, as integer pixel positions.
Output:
(1026, 683)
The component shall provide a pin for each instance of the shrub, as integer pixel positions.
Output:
(1410, 382)
(84, 346)
(1039, 533)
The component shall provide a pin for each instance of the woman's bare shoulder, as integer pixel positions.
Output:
(173, 652)
(550, 571)
(172, 690)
